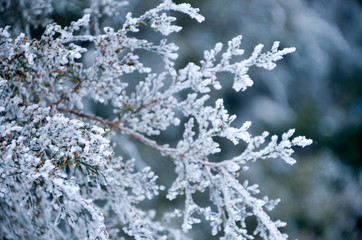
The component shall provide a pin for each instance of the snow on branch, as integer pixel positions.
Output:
(59, 175)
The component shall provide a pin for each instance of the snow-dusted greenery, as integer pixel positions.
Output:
(59, 176)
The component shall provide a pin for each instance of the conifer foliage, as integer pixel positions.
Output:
(59, 176)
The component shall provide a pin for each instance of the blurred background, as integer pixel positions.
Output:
(317, 90)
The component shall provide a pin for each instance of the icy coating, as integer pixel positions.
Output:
(56, 160)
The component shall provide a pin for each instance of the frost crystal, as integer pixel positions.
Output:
(59, 176)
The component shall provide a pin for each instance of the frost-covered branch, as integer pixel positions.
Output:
(59, 176)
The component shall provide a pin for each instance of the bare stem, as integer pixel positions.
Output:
(75, 89)
(165, 150)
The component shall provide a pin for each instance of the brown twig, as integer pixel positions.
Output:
(114, 125)
(121, 120)
(84, 115)
(75, 89)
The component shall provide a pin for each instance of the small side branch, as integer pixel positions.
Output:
(75, 89)
(114, 125)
